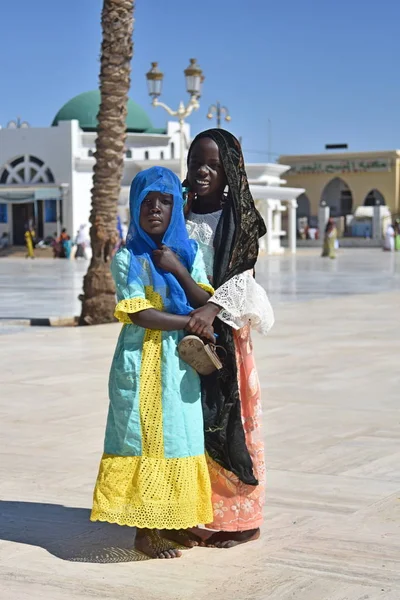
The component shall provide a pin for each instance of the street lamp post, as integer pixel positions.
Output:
(194, 79)
(18, 124)
(323, 218)
(218, 111)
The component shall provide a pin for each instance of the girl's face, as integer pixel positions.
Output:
(206, 173)
(155, 214)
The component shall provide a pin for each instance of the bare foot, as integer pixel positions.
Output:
(183, 537)
(229, 539)
(150, 542)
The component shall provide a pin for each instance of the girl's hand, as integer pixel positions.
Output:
(167, 260)
(208, 335)
(202, 318)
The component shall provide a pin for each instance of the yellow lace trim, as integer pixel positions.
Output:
(130, 306)
(134, 305)
(151, 420)
(170, 493)
(207, 288)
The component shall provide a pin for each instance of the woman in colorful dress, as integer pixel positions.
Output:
(223, 219)
(397, 235)
(29, 241)
(153, 474)
(330, 239)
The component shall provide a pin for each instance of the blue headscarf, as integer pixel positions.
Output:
(141, 246)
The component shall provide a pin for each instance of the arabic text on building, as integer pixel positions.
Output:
(342, 166)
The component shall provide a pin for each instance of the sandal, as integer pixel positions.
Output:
(202, 357)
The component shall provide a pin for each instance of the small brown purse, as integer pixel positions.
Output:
(202, 357)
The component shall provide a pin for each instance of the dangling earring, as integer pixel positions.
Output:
(225, 194)
(188, 196)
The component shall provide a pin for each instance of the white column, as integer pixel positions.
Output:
(292, 206)
(376, 223)
(261, 209)
(268, 221)
(277, 220)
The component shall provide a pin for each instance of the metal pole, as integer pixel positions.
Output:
(182, 113)
(218, 115)
(323, 218)
(182, 149)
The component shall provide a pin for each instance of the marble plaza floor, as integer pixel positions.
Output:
(50, 288)
(330, 377)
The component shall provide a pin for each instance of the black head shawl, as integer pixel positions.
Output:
(236, 251)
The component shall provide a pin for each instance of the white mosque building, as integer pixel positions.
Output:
(46, 172)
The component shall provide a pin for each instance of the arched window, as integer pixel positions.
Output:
(172, 150)
(128, 154)
(373, 198)
(90, 153)
(337, 195)
(303, 206)
(161, 155)
(146, 155)
(26, 169)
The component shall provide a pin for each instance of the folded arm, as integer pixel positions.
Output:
(151, 318)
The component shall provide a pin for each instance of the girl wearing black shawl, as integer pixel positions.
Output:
(222, 217)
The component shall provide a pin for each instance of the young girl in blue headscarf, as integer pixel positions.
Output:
(153, 474)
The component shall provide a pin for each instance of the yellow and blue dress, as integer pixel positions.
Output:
(153, 473)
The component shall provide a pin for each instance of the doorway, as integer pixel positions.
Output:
(337, 195)
(22, 214)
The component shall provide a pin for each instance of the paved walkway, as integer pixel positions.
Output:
(40, 288)
(50, 288)
(330, 377)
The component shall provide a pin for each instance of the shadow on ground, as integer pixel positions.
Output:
(67, 533)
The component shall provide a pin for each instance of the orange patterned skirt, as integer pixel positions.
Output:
(237, 506)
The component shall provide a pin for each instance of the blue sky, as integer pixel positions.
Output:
(321, 72)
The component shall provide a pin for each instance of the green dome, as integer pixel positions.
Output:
(85, 107)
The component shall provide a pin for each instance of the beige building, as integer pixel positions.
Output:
(344, 181)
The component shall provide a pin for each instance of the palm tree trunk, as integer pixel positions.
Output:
(98, 301)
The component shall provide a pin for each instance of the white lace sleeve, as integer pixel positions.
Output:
(242, 300)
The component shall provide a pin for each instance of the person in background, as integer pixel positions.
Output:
(67, 245)
(61, 239)
(82, 241)
(30, 241)
(4, 241)
(388, 244)
(312, 232)
(56, 245)
(397, 235)
(330, 239)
